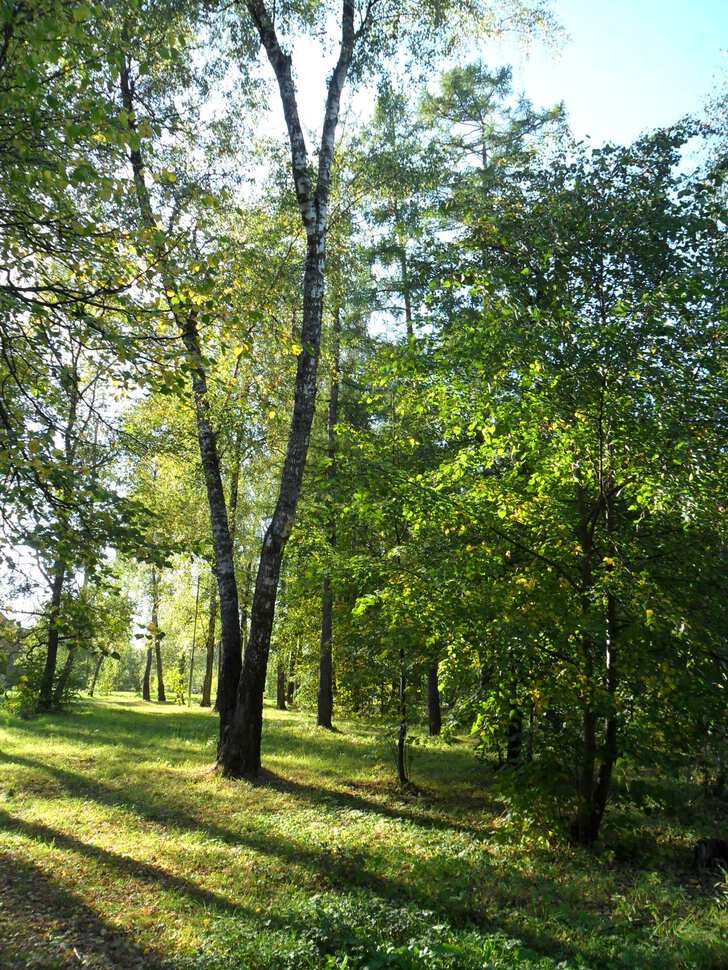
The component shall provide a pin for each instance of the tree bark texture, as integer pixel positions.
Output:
(63, 678)
(239, 749)
(281, 687)
(146, 691)
(291, 683)
(434, 715)
(45, 701)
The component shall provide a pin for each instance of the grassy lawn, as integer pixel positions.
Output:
(120, 848)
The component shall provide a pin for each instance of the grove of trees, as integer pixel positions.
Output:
(418, 418)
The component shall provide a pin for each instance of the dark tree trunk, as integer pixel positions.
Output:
(157, 637)
(594, 784)
(401, 739)
(161, 696)
(210, 645)
(63, 678)
(583, 824)
(45, 701)
(146, 692)
(291, 684)
(97, 671)
(434, 716)
(230, 643)
(281, 687)
(402, 732)
(239, 750)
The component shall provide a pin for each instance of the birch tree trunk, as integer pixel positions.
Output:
(239, 748)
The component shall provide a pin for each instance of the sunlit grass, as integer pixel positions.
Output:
(122, 848)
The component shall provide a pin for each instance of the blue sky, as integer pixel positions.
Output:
(629, 65)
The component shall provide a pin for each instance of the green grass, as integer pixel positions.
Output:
(119, 847)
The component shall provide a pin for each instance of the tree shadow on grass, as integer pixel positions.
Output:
(429, 884)
(142, 871)
(360, 800)
(45, 927)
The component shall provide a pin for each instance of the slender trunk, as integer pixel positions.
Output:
(161, 696)
(230, 643)
(239, 749)
(433, 701)
(157, 638)
(582, 827)
(63, 678)
(97, 670)
(45, 701)
(401, 767)
(594, 782)
(146, 692)
(582, 824)
(325, 686)
(291, 685)
(210, 644)
(402, 732)
(609, 748)
(281, 687)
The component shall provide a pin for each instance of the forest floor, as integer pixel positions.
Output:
(120, 848)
